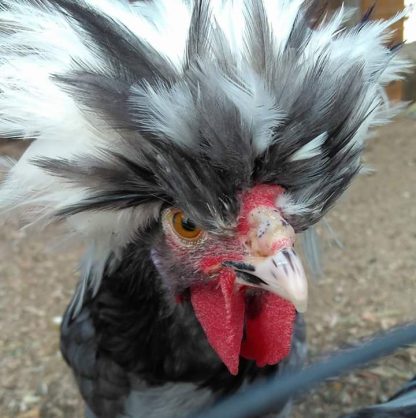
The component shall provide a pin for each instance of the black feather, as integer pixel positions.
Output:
(133, 329)
(128, 55)
(368, 14)
(261, 39)
(200, 28)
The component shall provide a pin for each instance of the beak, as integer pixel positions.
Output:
(271, 263)
(281, 274)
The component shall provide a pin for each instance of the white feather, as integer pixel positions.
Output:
(311, 149)
(167, 27)
(289, 207)
(282, 15)
(160, 107)
(257, 106)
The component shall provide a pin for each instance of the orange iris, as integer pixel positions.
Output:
(184, 227)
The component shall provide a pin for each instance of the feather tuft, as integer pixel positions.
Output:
(130, 109)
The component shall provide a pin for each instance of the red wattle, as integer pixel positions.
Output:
(269, 330)
(219, 306)
(223, 309)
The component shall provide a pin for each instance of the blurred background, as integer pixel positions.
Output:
(368, 283)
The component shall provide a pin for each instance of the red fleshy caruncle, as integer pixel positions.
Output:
(261, 195)
(221, 304)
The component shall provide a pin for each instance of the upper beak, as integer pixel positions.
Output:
(271, 263)
(281, 274)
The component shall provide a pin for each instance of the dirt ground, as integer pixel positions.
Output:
(369, 285)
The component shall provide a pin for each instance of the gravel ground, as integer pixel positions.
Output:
(368, 285)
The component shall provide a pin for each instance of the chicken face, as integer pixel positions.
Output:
(245, 284)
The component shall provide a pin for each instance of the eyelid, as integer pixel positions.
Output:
(168, 226)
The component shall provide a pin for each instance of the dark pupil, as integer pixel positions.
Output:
(188, 225)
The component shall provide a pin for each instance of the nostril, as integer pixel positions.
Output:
(257, 247)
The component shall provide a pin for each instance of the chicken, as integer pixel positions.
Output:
(186, 144)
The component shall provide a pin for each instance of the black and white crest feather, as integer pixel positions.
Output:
(131, 109)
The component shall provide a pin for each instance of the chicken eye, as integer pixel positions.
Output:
(184, 226)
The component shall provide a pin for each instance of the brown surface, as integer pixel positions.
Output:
(385, 9)
(369, 285)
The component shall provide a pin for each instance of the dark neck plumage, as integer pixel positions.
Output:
(145, 331)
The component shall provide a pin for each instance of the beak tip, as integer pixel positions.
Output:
(300, 296)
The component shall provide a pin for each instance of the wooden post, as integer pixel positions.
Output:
(385, 9)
